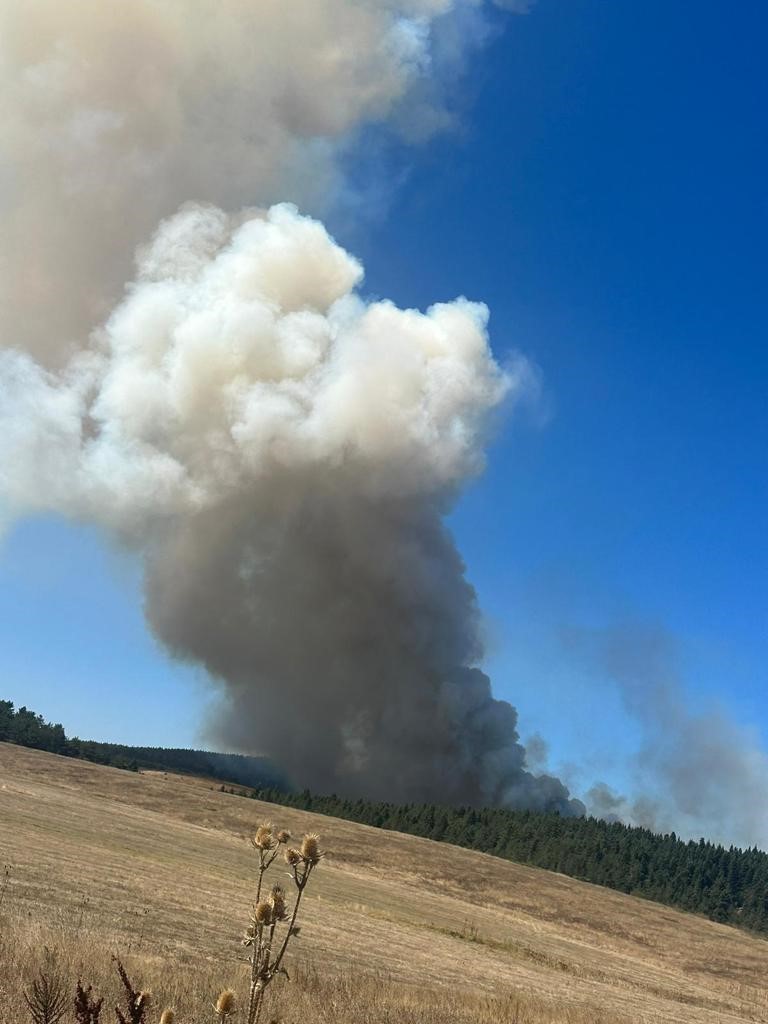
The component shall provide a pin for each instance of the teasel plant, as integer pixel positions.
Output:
(225, 1005)
(272, 924)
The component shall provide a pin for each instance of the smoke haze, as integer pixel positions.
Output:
(698, 772)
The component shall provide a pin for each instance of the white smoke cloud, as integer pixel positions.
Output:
(238, 350)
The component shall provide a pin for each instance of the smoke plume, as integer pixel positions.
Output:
(282, 454)
(279, 452)
(699, 772)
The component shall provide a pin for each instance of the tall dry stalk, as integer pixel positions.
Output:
(47, 998)
(6, 880)
(136, 1003)
(264, 937)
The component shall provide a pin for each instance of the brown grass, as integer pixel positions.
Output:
(158, 869)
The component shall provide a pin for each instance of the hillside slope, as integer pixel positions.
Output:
(159, 863)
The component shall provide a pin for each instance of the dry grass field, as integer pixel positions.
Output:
(157, 868)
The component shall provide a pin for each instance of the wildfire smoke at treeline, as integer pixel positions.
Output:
(277, 450)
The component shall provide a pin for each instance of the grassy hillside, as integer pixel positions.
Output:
(726, 885)
(157, 868)
(730, 886)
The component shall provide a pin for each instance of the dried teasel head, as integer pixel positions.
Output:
(225, 1004)
(262, 912)
(167, 1016)
(283, 836)
(277, 900)
(292, 857)
(143, 999)
(310, 848)
(264, 839)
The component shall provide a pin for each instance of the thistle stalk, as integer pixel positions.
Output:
(271, 912)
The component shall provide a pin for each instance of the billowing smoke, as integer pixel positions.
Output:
(279, 452)
(282, 453)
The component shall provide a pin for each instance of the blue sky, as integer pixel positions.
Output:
(605, 195)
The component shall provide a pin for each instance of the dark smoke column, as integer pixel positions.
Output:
(344, 630)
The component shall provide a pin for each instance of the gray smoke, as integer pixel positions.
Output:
(346, 632)
(699, 772)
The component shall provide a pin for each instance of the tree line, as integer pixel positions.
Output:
(727, 885)
(28, 729)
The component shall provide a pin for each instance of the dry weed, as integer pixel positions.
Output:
(47, 997)
(267, 948)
